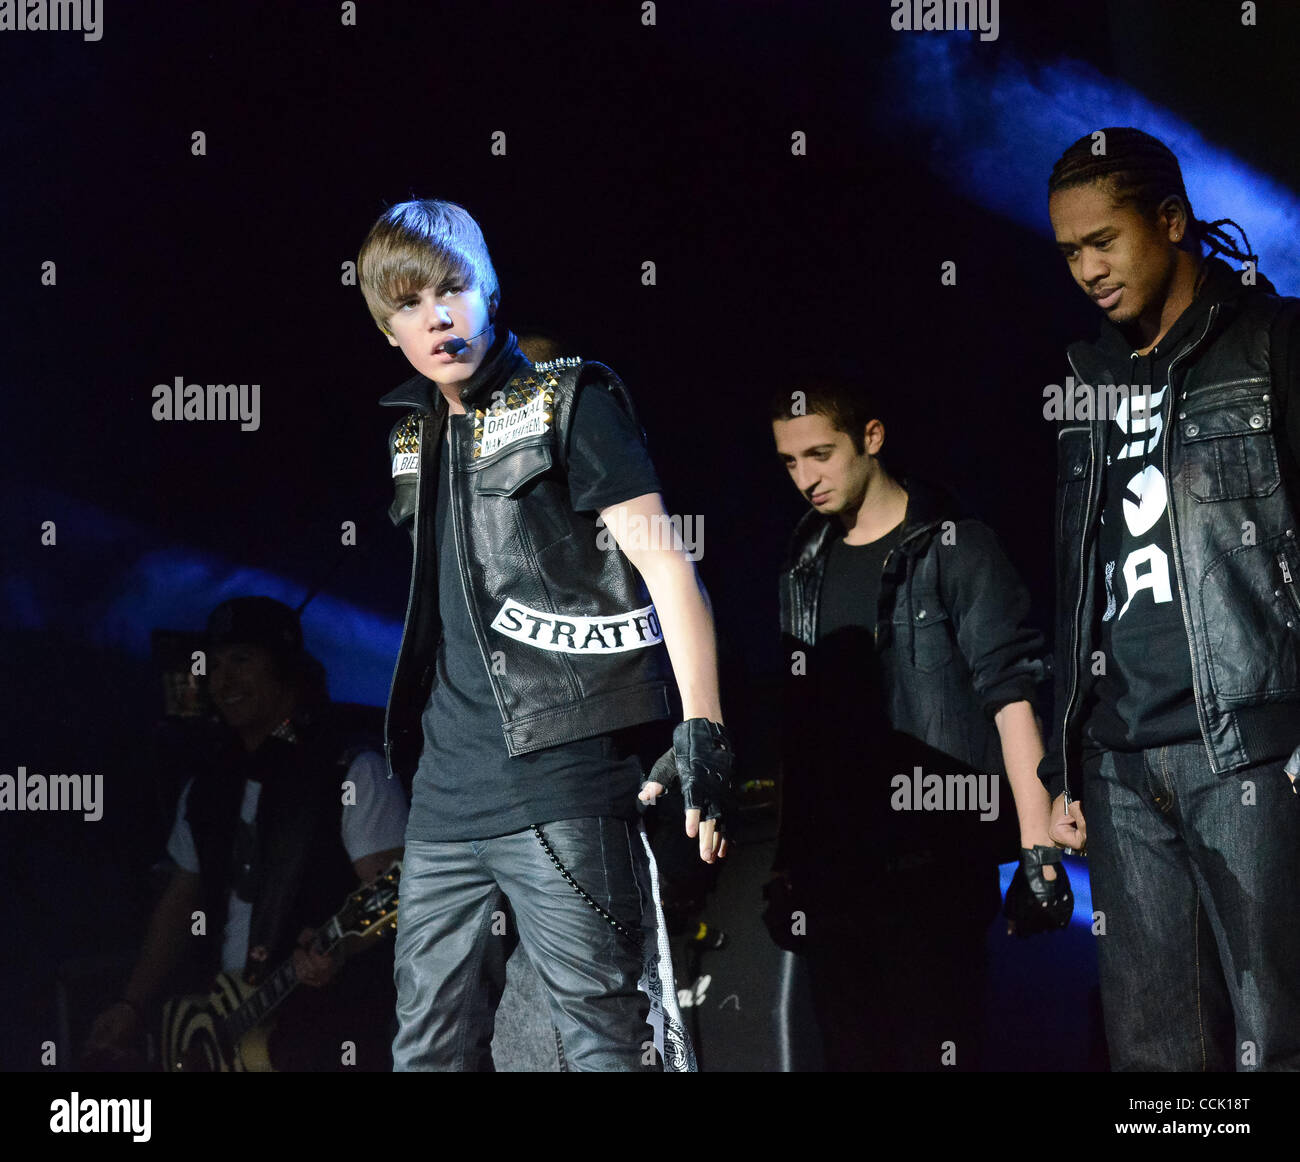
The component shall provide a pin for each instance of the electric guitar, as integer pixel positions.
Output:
(226, 1031)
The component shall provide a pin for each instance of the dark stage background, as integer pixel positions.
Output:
(624, 144)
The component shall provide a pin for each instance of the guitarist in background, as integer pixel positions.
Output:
(283, 822)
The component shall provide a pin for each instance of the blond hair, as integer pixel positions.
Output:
(418, 244)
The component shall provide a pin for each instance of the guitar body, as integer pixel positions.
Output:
(192, 1039)
(227, 1031)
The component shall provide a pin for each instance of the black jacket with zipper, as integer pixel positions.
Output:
(950, 627)
(569, 637)
(1231, 479)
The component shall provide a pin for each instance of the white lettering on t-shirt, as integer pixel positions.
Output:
(1146, 499)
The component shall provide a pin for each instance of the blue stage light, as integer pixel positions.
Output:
(992, 125)
(1077, 870)
(138, 587)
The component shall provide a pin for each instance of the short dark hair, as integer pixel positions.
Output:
(848, 407)
(1142, 171)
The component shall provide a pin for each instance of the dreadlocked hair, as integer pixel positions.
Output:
(1142, 171)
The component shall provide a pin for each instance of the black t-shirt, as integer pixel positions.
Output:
(844, 666)
(838, 762)
(467, 786)
(1145, 696)
(851, 587)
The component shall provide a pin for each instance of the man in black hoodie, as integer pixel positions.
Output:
(1178, 629)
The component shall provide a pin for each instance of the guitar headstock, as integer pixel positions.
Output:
(371, 909)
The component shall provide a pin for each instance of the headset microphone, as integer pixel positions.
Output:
(457, 345)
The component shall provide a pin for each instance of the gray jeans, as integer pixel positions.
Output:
(452, 944)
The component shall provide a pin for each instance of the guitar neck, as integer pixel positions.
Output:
(365, 913)
(277, 986)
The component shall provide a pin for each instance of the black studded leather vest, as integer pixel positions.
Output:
(569, 637)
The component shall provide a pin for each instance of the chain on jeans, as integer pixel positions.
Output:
(635, 940)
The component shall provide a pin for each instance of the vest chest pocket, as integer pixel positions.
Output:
(507, 473)
(1073, 453)
(404, 490)
(1228, 451)
(931, 634)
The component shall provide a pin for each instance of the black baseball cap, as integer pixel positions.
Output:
(257, 621)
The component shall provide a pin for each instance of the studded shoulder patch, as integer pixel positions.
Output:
(522, 409)
(407, 436)
(556, 364)
(406, 446)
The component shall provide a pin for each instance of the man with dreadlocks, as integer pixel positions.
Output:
(1178, 627)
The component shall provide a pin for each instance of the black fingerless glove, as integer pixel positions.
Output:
(1033, 903)
(702, 760)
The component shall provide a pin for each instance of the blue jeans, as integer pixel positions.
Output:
(449, 959)
(1195, 874)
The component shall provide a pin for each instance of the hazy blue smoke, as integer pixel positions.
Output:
(993, 125)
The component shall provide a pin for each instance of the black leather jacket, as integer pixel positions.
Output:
(569, 637)
(1231, 482)
(950, 629)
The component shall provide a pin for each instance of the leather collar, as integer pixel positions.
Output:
(501, 363)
